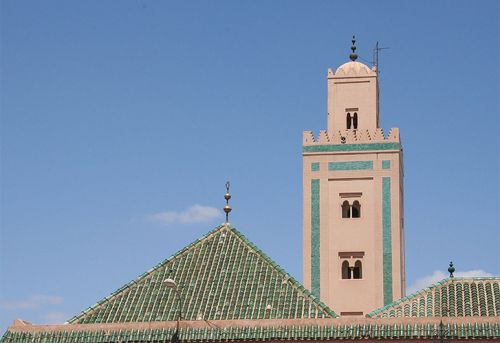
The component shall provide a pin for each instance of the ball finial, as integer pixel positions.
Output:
(353, 56)
(227, 196)
(451, 269)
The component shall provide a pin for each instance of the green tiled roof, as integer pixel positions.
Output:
(451, 297)
(220, 276)
(489, 330)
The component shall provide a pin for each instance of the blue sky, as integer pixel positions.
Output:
(122, 120)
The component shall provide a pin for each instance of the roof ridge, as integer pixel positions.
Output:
(480, 278)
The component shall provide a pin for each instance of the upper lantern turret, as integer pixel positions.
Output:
(352, 96)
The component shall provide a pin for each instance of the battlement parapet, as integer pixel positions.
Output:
(351, 137)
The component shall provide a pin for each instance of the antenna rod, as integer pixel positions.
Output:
(376, 51)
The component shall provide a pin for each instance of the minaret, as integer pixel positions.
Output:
(353, 199)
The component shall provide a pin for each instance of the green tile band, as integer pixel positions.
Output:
(386, 164)
(351, 147)
(387, 239)
(315, 238)
(309, 331)
(315, 166)
(351, 165)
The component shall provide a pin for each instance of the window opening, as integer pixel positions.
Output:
(356, 209)
(346, 271)
(351, 211)
(355, 121)
(349, 119)
(346, 209)
(357, 272)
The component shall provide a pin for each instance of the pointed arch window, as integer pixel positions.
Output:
(357, 271)
(351, 210)
(351, 116)
(346, 209)
(346, 271)
(356, 209)
(351, 264)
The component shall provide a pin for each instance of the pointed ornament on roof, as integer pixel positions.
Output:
(227, 208)
(353, 56)
(451, 269)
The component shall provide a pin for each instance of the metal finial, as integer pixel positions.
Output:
(227, 196)
(451, 269)
(353, 56)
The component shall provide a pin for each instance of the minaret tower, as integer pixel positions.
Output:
(353, 199)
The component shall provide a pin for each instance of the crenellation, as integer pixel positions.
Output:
(378, 134)
(393, 134)
(308, 138)
(363, 135)
(323, 137)
(351, 137)
(336, 138)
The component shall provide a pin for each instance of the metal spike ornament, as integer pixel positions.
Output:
(451, 269)
(227, 196)
(353, 56)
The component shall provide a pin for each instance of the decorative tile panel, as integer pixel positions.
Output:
(351, 165)
(387, 239)
(315, 238)
(320, 331)
(351, 147)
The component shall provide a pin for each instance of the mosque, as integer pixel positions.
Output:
(223, 288)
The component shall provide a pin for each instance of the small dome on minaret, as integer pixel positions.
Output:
(354, 68)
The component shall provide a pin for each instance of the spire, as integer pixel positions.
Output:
(353, 56)
(227, 196)
(451, 269)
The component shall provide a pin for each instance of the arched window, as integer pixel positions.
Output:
(346, 271)
(346, 209)
(348, 120)
(356, 209)
(357, 272)
(355, 120)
